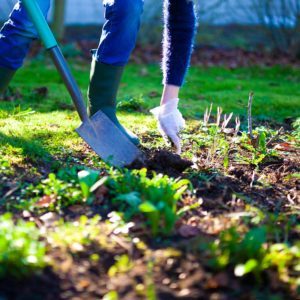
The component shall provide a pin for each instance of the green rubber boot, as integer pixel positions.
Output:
(5, 77)
(104, 83)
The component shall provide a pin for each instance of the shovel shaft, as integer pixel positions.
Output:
(49, 40)
(40, 23)
(70, 82)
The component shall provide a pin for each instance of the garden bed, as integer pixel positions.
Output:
(114, 257)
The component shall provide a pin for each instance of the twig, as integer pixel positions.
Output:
(237, 125)
(226, 120)
(250, 129)
(253, 179)
(120, 242)
(275, 136)
(219, 115)
(207, 115)
(9, 193)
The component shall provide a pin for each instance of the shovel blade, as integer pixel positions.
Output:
(104, 137)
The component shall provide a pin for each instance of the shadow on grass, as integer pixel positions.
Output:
(32, 149)
(37, 99)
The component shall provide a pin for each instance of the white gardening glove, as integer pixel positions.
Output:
(170, 122)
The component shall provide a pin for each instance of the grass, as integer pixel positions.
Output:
(47, 129)
(237, 202)
(228, 88)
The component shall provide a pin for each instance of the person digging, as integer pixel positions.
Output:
(118, 38)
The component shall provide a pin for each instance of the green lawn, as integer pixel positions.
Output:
(276, 89)
(46, 127)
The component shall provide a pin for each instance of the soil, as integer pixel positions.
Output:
(162, 161)
(183, 276)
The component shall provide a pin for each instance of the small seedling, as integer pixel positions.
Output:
(123, 265)
(87, 178)
(134, 193)
(250, 102)
(132, 104)
(74, 236)
(51, 194)
(252, 254)
(21, 251)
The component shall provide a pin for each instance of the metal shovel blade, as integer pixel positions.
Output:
(104, 137)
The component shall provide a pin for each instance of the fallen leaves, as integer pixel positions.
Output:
(286, 147)
(46, 201)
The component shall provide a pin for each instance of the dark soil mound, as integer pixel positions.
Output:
(162, 161)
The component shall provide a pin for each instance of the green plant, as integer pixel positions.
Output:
(123, 265)
(69, 173)
(292, 176)
(5, 167)
(51, 194)
(224, 147)
(258, 149)
(74, 236)
(285, 259)
(131, 104)
(280, 226)
(296, 132)
(21, 251)
(111, 295)
(231, 248)
(134, 193)
(19, 113)
(252, 253)
(213, 138)
(212, 141)
(149, 280)
(87, 178)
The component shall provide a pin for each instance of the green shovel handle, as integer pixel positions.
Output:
(51, 45)
(40, 23)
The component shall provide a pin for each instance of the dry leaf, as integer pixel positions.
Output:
(83, 284)
(286, 147)
(46, 201)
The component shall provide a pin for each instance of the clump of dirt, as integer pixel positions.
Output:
(162, 161)
(11, 94)
(40, 93)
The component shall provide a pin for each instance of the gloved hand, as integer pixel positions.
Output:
(170, 122)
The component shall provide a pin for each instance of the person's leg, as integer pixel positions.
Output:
(6, 76)
(117, 41)
(15, 38)
(180, 23)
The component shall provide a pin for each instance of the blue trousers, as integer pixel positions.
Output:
(118, 37)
